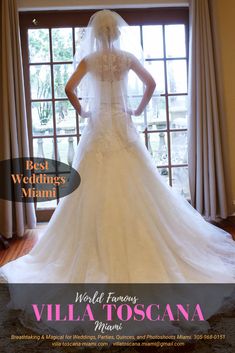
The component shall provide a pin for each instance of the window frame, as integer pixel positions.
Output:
(80, 18)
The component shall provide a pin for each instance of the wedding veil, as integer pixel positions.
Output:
(107, 32)
(112, 29)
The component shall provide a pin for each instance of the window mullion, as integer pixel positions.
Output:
(53, 104)
(167, 108)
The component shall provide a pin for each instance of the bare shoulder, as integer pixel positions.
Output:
(85, 63)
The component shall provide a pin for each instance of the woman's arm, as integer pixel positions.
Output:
(73, 82)
(149, 83)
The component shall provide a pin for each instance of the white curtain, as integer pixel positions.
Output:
(14, 216)
(206, 175)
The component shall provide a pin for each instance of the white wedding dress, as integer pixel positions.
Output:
(123, 224)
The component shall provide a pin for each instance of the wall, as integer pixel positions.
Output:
(56, 4)
(224, 15)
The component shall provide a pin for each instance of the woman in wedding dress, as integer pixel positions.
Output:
(123, 224)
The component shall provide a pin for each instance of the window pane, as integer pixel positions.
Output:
(65, 118)
(42, 120)
(46, 204)
(179, 147)
(180, 181)
(153, 42)
(136, 87)
(164, 172)
(39, 49)
(40, 81)
(79, 33)
(178, 111)
(43, 148)
(61, 76)
(156, 113)
(139, 121)
(131, 34)
(135, 36)
(175, 41)
(156, 68)
(177, 76)
(66, 147)
(157, 145)
(62, 44)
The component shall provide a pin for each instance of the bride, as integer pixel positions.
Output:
(123, 224)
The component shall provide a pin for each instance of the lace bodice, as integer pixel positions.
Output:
(108, 80)
(110, 127)
(109, 66)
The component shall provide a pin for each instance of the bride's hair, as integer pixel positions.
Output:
(105, 26)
